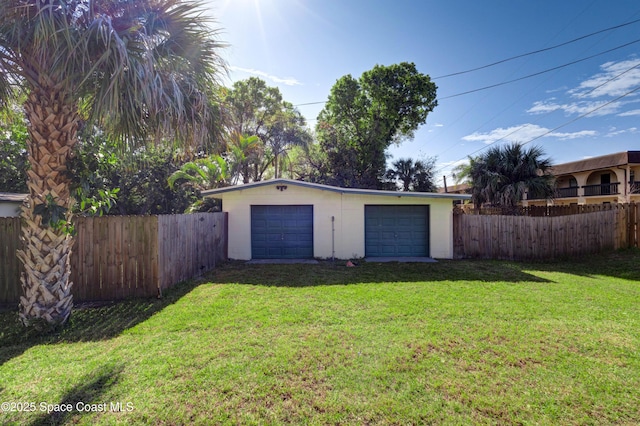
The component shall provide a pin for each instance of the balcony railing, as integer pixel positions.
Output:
(560, 193)
(603, 189)
(590, 190)
(567, 192)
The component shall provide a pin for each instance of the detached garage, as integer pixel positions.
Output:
(280, 219)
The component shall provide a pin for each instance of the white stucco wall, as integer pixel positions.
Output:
(346, 208)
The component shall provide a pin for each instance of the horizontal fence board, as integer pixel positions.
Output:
(117, 257)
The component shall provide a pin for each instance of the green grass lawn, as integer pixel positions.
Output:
(455, 342)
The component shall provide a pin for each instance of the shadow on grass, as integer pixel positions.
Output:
(93, 323)
(619, 264)
(624, 263)
(89, 391)
(329, 273)
(88, 322)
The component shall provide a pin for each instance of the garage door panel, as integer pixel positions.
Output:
(274, 224)
(396, 230)
(388, 221)
(259, 252)
(405, 250)
(404, 235)
(281, 231)
(405, 222)
(272, 237)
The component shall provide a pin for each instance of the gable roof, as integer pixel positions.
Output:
(12, 197)
(340, 190)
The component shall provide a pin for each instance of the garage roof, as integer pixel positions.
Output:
(355, 191)
(12, 197)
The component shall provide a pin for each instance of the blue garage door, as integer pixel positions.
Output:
(397, 231)
(281, 232)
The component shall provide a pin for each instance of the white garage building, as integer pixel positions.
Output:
(282, 218)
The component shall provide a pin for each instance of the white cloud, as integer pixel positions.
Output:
(599, 108)
(615, 132)
(630, 113)
(573, 135)
(615, 79)
(623, 75)
(559, 89)
(286, 81)
(524, 133)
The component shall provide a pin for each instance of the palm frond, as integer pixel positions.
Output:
(137, 68)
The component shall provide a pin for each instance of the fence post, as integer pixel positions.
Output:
(633, 230)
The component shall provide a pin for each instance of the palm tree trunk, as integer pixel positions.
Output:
(46, 284)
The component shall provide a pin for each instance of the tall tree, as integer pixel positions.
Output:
(414, 176)
(503, 174)
(242, 151)
(255, 109)
(131, 67)
(363, 117)
(288, 129)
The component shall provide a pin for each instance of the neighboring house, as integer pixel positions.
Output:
(284, 218)
(461, 188)
(613, 178)
(10, 204)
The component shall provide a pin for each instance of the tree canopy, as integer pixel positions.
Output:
(254, 109)
(415, 176)
(363, 117)
(503, 174)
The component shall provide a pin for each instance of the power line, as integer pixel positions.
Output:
(523, 95)
(583, 115)
(311, 103)
(492, 86)
(568, 122)
(536, 51)
(558, 127)
(521, 56)
(540, 72)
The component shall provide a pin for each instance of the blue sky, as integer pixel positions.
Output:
(304, 46)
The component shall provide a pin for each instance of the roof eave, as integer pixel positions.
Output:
(355, 191)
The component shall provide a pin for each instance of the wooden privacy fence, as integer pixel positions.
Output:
(545, 237)
(116, 257)
(9, 265)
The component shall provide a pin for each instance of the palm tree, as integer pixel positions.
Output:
(132, 67)
(415, 176)
(242, 150)
(462, 172)
(287, 130)
(203, 173)
(502, 175)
